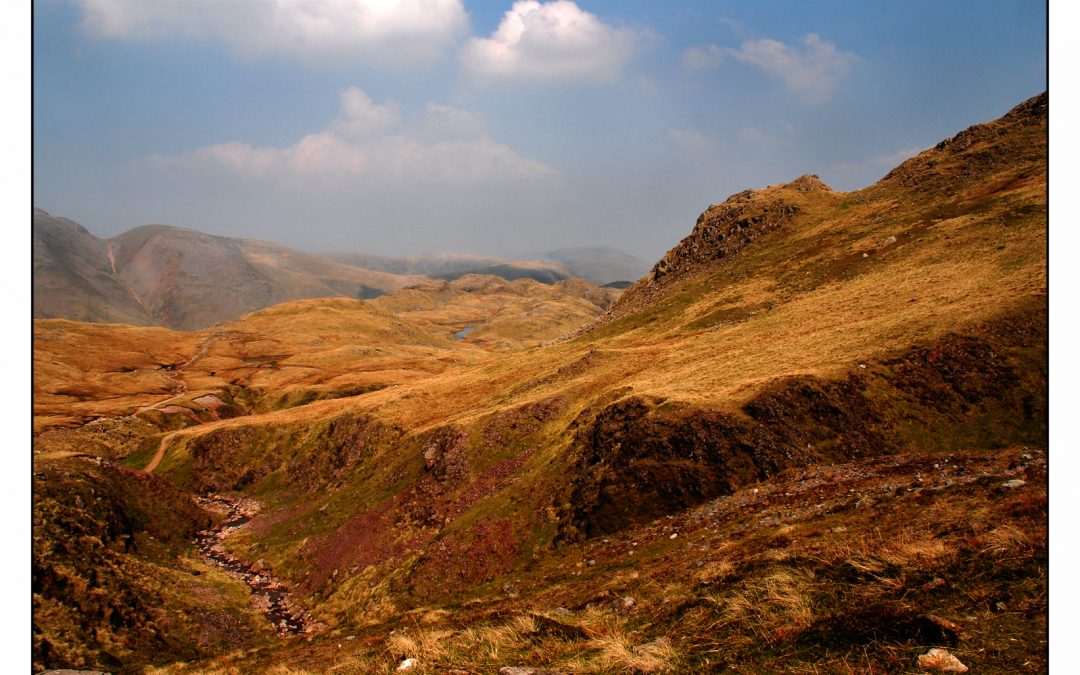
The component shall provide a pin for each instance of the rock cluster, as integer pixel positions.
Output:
(270, 595)
(721, 232)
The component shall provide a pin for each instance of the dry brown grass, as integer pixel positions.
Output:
(768, 609)
(819, 307)
(909, 550)
(425, 645)
(231, 670)
(1010, 541)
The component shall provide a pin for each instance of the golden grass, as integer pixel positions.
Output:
(905, 551)
(803, 300)
(1011, 541)
(619, 653)
(418, 643)
(768, 609)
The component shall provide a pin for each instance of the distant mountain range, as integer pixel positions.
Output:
(451, 266)
(186, 280)
(179, 278)
(599, 264)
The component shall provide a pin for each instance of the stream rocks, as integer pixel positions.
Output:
(270, 596)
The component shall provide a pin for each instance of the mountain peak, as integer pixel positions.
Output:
(808, 182)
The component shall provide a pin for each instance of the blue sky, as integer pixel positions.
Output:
(495, 127)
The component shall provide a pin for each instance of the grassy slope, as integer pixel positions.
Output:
(888, 278)
(502, 314)
(905, 317)
(116, 582)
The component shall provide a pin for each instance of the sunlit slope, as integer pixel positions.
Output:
(493, 312)
(796, 325)
(794, 444)
(278, 357)
(295, 353)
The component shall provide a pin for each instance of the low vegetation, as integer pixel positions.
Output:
(811, 440)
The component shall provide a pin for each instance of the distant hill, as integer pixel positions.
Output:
(451, 266)
(601, 264)
(179, 278)
(73, 278)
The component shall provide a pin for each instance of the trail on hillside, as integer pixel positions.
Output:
(112, 259)
(179, 388)
(149, 468)
(176, 384)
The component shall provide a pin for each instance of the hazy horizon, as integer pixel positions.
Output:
(494, 128)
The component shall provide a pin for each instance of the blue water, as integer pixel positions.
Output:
(460, 335)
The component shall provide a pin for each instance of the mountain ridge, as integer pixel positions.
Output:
(175, 277)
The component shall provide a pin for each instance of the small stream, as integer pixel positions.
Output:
(271, 596)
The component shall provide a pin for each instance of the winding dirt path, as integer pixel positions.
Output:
(178, 387)
(149, 468)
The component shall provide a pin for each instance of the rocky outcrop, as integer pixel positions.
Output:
(640, 458)
(977, 150)
(721, 233)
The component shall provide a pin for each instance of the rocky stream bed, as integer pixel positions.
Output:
(271, 596)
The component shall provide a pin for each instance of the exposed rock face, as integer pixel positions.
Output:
(640, 458)
(444, 454)
(720, 233)
(976, 150)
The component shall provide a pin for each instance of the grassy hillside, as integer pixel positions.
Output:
(494, 312)
(787, 447)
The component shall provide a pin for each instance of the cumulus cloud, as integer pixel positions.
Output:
(405, 32)
(691, 140)
(549, 42)
(371, 140)
(810, 72)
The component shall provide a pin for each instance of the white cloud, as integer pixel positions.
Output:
(370, 141)
(690, 140)
(552, 42)
(810, 72)
(443, 122)
(361, 117)
(702, 57)
(402, 32)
